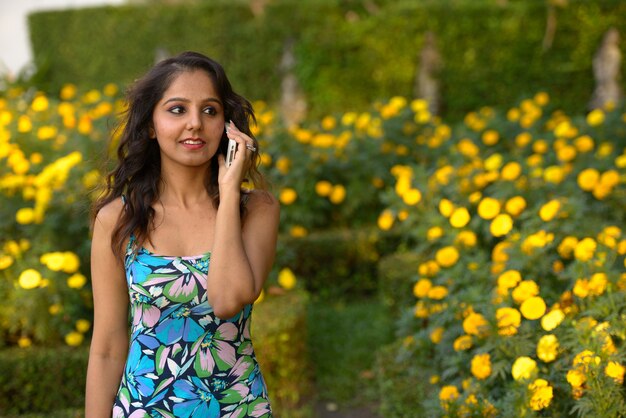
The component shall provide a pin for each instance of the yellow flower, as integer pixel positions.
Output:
(30, 279)
(549, 210)
(438, 292)
(74, 339)
(447, 256)
(481, 366)
(584, 143)
(436, 335)
(501, 225)
(585, 249)
(323, 188)
(385, 220)
(434, 233)
(490, 137)
(76, 281)
(286, 278)
(46, 132)
(509, 320)
(460, 217)
(609, 178)
(5, 261)
(446, 207)
(588, 178)
(586, 358)
(24, 342)
(567, 246)
(462, 343)
(83, 325)
(261, 297)
(421, 288)
(488, 208)
(542, 98)
(511, 171)
(288, 196)
(615, 371)
(475, 324)
(525, 290)
(71, 262)
(110, 89)
(448, 393)
(552, 319)
(40, 103)
(540, 146)
(466, 239)
(338, 194)
(547, 348)
(412, 196)
(298, 231)
(329, 123)
(515, 205)
(595, 117)
(421, 311)
(68, 92)
(576, 378)
(541, 394)
(25, 216)
(523, 368)
(283, 164)
(509, 279)
(468, 148)
(553, 174)
(598, 283)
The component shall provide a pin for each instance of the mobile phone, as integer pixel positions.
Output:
(231, 149)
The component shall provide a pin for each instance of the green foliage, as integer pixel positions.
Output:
(403, 385)
(335, 263)
(395, 280)
(343, 340)
(348, 53)
(279, 330)
(39, 380)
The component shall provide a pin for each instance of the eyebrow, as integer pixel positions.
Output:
(182, 99)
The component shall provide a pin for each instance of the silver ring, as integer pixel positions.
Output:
(250, 147)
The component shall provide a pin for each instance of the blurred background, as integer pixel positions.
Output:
(452, 176)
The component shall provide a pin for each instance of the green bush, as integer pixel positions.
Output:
(42, 380)
(347, 55)
(402, 386)
(279, 332)
(395, 281)
(336, 263)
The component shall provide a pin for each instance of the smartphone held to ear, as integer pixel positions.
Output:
(231, 149)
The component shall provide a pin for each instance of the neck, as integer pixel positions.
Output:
(183, 187)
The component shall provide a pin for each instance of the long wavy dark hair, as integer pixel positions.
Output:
(138, 172)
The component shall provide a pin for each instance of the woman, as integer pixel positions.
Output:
(171, 208)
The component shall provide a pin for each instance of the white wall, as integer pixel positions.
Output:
(15, 49)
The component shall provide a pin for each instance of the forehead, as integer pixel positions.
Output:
(191, 84)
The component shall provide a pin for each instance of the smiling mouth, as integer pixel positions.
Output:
(192, 141)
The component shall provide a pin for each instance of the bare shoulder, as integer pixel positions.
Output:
(262, 204)
(108, 215)
(263, 201)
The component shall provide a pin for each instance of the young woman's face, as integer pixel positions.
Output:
(189, 120)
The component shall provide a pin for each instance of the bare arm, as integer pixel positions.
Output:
(243, 253)
(109, 344)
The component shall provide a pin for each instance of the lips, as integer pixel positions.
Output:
(193, 141)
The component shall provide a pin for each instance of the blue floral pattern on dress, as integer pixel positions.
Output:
(183, 361)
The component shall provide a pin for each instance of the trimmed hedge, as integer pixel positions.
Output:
(395, 281)
(279, 333)
(337, 263)
(347, 56)
(42, 379)
(51, 381)
(402, 386)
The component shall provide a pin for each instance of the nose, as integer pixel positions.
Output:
(194, 121)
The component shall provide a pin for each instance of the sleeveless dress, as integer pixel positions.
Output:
(183, 361)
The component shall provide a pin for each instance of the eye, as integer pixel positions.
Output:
(177, 110)
(210, 110)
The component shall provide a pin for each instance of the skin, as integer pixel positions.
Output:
(186, 223)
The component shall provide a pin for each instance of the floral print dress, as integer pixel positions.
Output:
(184, 361)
